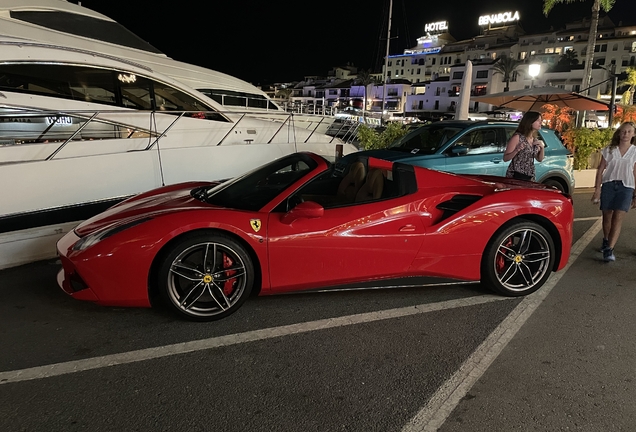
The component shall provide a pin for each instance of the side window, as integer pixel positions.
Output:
(480, 141)
(135, 91)
(62, 81)
(168, 98)
(171, 99)
(358, 185)
(509, 133)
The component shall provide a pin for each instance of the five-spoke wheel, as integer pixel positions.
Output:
(518, 259)
(206, 277)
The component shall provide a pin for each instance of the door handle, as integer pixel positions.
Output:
(407, 228)
(495, 160)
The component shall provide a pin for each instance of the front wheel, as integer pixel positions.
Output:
(205, 277)
(556, 184)
(518, 259)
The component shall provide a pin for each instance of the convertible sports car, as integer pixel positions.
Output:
(301, 223)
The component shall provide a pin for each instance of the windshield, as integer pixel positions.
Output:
(426, 139)
(253, 190)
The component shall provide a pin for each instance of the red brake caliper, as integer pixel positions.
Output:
(500, 263)
(228, 286)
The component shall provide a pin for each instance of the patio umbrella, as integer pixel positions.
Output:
(532, 99)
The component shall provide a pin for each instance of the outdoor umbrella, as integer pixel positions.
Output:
(532, 99)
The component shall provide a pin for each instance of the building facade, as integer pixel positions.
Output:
(425, 80)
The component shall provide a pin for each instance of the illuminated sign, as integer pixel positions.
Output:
(436, 26)
(500, 18)
(423, 50)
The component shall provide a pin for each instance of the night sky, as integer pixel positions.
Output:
(264, 42)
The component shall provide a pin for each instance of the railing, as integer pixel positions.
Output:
(24, 129)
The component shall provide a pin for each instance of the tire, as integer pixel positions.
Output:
(555, 183)
(205, 277)
(518, 259)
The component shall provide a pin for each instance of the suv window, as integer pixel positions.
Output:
(481, 141)
(511, 131)
(426, 139)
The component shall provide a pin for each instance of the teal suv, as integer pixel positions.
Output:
(477, 147)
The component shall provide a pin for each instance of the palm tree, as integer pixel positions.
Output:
(363, 79)
(591, 40)
(628, 95)
(506, 66)
(569, 58)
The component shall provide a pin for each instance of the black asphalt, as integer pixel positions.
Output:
(571, 366)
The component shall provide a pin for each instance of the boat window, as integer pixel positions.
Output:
(72, 82)
(232, 98)
(99, 85)
(134, 92)
(81, 25)
(171, 99)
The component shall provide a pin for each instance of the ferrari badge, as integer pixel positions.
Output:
(256, 224)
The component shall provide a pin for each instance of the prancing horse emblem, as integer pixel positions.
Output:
(256, 224)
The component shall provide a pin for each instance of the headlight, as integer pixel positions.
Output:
(97, 236)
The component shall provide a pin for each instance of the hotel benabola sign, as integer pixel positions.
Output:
(500, 18)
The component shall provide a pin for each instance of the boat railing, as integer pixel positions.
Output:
(57, 129)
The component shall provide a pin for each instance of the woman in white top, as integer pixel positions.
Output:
(615, 185)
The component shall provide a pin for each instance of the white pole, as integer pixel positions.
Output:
(386, 61)
(464, 94)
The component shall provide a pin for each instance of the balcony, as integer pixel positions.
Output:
(478, 92)
(453, 93)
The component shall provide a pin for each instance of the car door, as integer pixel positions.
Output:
(478, 151)
(350, 243)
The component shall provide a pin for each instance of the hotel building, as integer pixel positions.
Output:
(425, 80)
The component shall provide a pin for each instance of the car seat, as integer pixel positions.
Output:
(373, 187)
(352, 182)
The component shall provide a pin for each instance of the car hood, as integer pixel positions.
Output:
(158, 201)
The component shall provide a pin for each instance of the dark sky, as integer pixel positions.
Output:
(280, 40)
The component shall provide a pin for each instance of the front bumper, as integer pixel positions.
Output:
(68, 278)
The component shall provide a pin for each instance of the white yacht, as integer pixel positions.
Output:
(83, 125)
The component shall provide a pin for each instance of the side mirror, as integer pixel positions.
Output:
(459, 150)
(307, 209)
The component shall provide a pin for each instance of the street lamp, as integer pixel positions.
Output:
(533, 71)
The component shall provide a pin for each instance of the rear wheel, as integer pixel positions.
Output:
(518, 260)
(205, 277)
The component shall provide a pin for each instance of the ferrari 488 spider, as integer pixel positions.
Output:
(301, 223)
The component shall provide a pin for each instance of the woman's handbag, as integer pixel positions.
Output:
(520, 176)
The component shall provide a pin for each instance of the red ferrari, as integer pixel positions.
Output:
(301, 223)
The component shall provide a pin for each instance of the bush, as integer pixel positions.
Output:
(372, 139)
(584, 142)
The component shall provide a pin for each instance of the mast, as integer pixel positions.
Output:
(386, 62)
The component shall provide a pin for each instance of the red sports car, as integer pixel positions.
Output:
(301, 223)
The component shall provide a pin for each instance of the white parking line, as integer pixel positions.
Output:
(587, 218)
(432, 416)
(233, 339)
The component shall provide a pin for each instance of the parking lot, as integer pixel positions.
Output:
(450, 358)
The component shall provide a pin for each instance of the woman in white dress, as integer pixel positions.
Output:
(615, 185)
